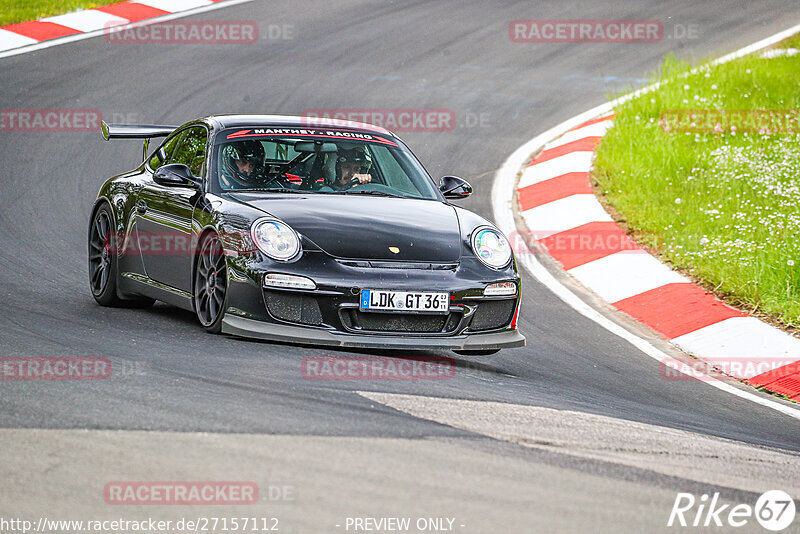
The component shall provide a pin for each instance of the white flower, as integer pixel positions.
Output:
(704, 241)
(678, 201)
(790, 263)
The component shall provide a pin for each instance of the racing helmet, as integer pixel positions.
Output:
(250, 151)
(354, 155)
(358, 155)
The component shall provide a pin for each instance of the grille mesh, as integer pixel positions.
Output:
(293, 308)
(395, 322)
(493, 314)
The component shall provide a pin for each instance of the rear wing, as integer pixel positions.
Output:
(135, 131)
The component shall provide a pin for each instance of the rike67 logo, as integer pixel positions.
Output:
(774, 510)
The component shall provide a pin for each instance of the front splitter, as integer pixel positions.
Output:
(250, 328)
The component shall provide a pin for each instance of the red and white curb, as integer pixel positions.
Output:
(92, 21)
(718, 332)
(565, 218)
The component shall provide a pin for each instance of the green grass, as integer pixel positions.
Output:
(723, 206)
(791, 42)
(12, 11)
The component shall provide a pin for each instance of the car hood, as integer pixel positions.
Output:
(368, 227)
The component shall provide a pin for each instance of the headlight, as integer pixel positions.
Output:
(491, 247)
(275, 239)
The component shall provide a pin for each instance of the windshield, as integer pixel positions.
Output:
(288, 160)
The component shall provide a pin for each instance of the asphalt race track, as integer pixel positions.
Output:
(187, 405)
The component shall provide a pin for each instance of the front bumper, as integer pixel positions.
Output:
(241, 326)
(329, 315)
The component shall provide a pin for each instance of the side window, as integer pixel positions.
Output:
(156, 161)
(191, 149)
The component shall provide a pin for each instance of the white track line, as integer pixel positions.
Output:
(503, 197)
(80, 36)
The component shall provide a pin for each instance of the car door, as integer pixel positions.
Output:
(164, 214)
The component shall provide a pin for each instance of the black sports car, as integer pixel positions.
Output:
(305, 230)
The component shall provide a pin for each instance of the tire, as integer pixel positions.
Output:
(103, 263)
(102, 258)
(210, 285)
(477, 352)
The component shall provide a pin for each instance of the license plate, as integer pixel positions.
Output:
(405, 301)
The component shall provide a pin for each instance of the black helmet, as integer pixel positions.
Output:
(354, 155)
(250, 151)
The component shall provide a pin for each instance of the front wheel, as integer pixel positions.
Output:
(210, 284)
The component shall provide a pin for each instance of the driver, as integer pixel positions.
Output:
(351, 167)
(242, 163)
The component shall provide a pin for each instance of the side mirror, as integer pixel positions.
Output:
(175, 175)
(454, 187)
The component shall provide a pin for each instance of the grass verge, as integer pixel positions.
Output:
(706, 172)
(13, 11)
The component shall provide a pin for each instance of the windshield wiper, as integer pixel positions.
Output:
(369, 192)
(272, 190)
